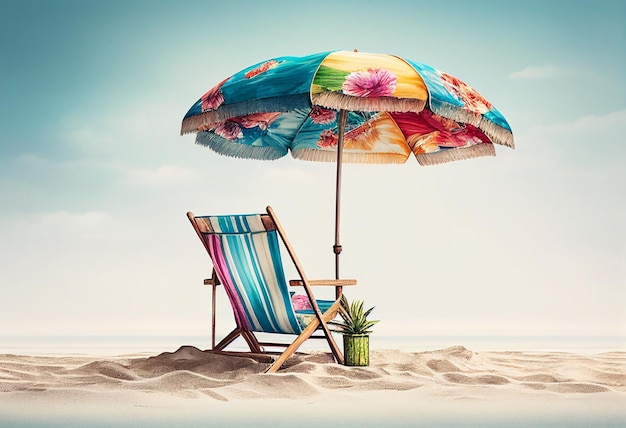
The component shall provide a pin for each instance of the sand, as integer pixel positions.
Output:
(190, 387)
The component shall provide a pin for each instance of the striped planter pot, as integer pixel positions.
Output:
(356, 350)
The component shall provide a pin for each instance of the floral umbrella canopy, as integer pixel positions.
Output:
(350, 107)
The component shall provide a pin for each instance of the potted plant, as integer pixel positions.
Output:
(355, 328)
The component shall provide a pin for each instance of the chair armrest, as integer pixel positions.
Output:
(214, 280)
(327, 282)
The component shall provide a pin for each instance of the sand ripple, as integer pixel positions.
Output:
(190, 372)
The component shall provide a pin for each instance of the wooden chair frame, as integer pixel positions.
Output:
(319, 322)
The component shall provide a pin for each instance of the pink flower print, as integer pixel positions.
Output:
(301, 302)
(262, 120)
(229, 130)
(470, 96)
(436, 131)
(322, 115)
(267, 65)
(213, 98)
(327, 139)
(439, 122)
(370, 84)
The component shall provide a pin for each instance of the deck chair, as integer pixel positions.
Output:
(246, 258)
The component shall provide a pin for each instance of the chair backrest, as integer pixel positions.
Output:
(246, 257)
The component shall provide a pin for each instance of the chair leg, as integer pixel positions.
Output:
(335, 349)
(248, 336)
(291, 349)
(252, 341)
(306, 334)
(228, 339)
(213, 304)
(329, 315)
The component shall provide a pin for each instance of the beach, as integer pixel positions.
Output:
(454, 386)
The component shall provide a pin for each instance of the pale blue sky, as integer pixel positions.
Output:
(95, 180)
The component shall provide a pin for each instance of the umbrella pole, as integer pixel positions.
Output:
(343, 116)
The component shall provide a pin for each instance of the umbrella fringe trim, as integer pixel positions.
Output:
(234, 150)
(316, 155)
(455, 154)
(210, 119)
(496, 133)
(337, 101)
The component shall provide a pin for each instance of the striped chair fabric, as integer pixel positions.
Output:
(247, 260)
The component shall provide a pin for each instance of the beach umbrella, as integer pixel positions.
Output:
(343, 106)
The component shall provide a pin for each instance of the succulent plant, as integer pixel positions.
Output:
(354, 318)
